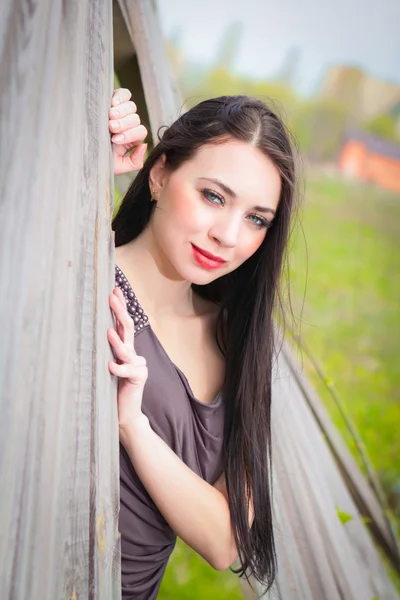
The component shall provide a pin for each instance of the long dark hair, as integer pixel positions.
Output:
(247, 298)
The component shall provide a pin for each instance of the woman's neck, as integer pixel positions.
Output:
(159, 288)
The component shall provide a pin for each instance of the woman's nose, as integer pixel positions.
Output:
(227, 230)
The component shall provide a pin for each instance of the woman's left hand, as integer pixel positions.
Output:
(129, 367)
(127, 132)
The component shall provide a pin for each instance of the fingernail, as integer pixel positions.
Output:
(116, 101)
(118, 138)
(115, 125)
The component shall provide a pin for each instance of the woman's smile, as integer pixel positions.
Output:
(206, 259)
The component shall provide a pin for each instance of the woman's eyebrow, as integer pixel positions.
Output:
(264, 209)
(233, 194)
(221, 185)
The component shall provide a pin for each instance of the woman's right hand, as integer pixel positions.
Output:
(127, 133)
(130, 369)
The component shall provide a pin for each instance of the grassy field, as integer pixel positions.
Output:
(348, 253)
(351, 316)
(189, 577)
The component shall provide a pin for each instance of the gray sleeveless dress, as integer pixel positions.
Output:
(192, 429)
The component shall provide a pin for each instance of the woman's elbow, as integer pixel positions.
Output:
(223, 561)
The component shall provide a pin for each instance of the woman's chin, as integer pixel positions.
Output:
(200, 276)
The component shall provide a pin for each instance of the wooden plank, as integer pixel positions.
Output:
(58, 432)
(318, 556)
(126, 64)
(356, 481)
(126, 68)
(161, 93)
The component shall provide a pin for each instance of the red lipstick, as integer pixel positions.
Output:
(206, 259)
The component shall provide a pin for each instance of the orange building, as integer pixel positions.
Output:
(369, 158)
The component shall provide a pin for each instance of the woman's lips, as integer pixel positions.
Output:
(206, 259)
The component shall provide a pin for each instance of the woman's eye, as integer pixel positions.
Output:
(212, 197)
(215, 198)
(260, 222)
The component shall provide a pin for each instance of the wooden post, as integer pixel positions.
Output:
(140, 24)
(58, 427)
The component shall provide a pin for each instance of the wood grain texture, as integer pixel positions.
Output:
(314, 477)
(358, 485)
(58, 431)
(126, 66)
(162, 95)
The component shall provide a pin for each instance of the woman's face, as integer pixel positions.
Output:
(219, 203)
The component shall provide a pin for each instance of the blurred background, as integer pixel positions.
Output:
(332, 71)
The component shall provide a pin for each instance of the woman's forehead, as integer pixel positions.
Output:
(240, 166)
(225, 155)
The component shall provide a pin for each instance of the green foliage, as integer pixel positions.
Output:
(343, 516)
(219, 82)
(117, 83)
(384, 126)
(117, 200)
(189, 577)
(351, 317)
(319, 126)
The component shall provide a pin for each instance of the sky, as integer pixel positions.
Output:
(361, 33)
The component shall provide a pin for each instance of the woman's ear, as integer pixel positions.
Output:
(158, 174)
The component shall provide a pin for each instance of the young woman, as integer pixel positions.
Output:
(200, 240)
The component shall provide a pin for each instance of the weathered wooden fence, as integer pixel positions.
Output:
(58, 428)
(58, 431)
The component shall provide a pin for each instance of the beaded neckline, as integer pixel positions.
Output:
(141, 321)
(135, 310)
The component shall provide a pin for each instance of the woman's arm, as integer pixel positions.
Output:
(197, 511)
(194, 509)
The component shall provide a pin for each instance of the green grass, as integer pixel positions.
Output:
(351, 317)
(351, 323)
(189, 577)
